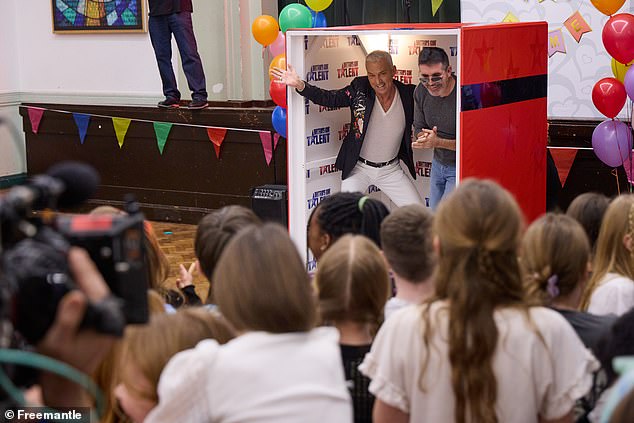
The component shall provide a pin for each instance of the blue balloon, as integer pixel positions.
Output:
(319, 19)
(279, 120)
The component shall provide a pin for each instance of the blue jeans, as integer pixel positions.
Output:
(161, 29)
(443, 181)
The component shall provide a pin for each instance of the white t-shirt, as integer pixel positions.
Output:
(534, 376)
(394, 304)
(385, 131)
(257, 377)
(613, 295)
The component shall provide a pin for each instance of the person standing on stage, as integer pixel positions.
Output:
(380, 131)
(169, 17)
(435, 119)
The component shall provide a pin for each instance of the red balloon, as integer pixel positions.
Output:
(608, 96)
(618, 37)
(278, 93)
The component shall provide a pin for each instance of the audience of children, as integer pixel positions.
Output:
(588, 209)
(353, 286)
(344, 213)
(406, 237)
(279, 368)
(611, 287)
(477, 351)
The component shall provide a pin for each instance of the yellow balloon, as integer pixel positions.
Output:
(619, 69)
(319, 5)
(608, 7)
(278, 61)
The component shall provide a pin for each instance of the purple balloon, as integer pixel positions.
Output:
(629, 82)
(612, 142)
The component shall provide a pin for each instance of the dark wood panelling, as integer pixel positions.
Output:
(183, 183)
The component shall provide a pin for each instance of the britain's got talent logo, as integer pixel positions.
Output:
(317, 198)
(331, 42)
(353, 40)
(348, 69)
(319, 136)
(318, 73)
(423, 169)
(393, 49)
(404, 76)
(418, 46)
(327, 169)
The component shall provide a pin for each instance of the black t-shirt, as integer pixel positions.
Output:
(362, 399)
(589, 327)
(167, 7)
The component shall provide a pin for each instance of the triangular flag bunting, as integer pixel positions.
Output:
(121, 126)
(563, 157)
(267, 145)
(510, 17)
(35, 116)
(216, 136)
(556, 42)
(162, 130)
(276, 139)
(82, 121)
(577, 26)
(435, 5)
(627, 165)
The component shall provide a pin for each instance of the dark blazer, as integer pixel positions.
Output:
(359, 97)
(167, 7)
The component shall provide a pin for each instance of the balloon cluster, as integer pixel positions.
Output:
(612, 139)
(266, 31)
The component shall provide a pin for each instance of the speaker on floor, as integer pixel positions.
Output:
(270, 203)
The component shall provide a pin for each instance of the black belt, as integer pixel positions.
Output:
(373, 164)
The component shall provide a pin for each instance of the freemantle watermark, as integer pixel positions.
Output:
(45, 414)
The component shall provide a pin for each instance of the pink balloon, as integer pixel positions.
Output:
(278, 46)
(618, 37)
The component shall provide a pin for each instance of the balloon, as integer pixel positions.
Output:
(612, 142)
(608, 96)
(628, 82)
(264, 29)
(278, 93)
(279, 120)
(295, 16)
(278, 46)
(619, 69)
(278, 61)
(608, 7)
(319, 5)
(319, 19)
(618, 37)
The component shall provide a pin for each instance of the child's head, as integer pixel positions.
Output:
(352, 282)
(260, 282)
(588, 209)
(406, 237)
(614, 245)
(344, 213)
(214, 232)
(554, 256)
(148, 348)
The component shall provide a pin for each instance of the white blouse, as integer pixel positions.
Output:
(613, 295)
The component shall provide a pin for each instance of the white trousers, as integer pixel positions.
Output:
(390, 179)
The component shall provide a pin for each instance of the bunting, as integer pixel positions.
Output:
(563, 157)
(121, 126)
(556, 42)
(627, 165)
(435, 5)
(216, 136)
(577, 26)
(82, 121)
(267, 145)
(510, 17)
(35, 116)
(162, 130)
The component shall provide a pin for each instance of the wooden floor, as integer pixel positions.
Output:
(177, 241)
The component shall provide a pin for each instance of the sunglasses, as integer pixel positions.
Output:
(430, 80)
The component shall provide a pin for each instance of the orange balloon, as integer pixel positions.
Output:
(608, 7)
(265, 29)
(278, 61)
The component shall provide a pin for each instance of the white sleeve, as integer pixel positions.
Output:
(385, 366)
(616, 297)
(563, 368)
(182, 389)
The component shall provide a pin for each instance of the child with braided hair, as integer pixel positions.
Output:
(477, 351)
(611, 287)
(344, 213)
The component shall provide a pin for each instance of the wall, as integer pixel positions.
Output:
(571, 76)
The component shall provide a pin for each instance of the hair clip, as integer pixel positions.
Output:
(362, 201)
(552, 288)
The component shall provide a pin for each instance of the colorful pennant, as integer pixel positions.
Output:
(162, 130)
(81, 120)
(216, 136)
(577, 26)
(435, 5)
(563, 157)
(556, 42)
(268, 145)
(35, 116)
(121, 126)
(510, 17)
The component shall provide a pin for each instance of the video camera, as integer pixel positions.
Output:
(34, 273)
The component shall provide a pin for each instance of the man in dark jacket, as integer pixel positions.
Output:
(169, 17)
(382, 111)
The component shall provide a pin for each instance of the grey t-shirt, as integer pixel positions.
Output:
(430, 111)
